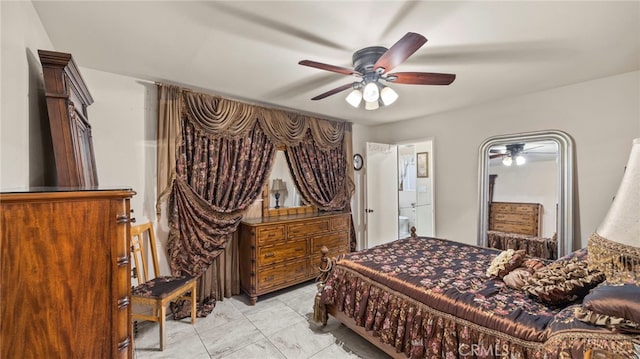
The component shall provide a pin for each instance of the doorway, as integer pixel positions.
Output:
(415, 188)
(398, 192)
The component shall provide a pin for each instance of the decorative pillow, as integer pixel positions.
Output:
(621, 301)
(562, 281)
(609, 321)
(517, 278)
(505, 262)
(532, 265)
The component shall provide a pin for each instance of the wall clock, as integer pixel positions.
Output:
(357, 162)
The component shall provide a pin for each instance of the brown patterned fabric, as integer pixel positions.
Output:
(430, 298)
(160, 287)
(615, 300)
(608, 321)
(207, 201)
(545, 248)
(563, 281)
(517, 278)
(319, 174)
(214, 154)
(505, 262)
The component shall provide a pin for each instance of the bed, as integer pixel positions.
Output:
(422, 297)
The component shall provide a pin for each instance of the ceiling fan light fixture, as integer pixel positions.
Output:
(520, 160)
(371, 93)
(371, 105)
(507, 161)
(388, 96)
(354, 98)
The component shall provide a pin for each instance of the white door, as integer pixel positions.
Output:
(381, 205)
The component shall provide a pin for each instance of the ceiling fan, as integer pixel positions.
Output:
(372, 64)
(515, 152)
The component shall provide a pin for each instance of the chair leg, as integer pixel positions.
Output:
(194, 312)
(163, 317)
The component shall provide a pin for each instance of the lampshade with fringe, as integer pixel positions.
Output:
(615, 246)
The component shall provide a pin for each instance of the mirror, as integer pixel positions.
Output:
(534, 170)
(280, 196)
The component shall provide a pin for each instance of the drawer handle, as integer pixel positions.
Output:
(272, 234)
(122, 219)
(123, 302)
(269, 255)
(122, 261)
(124, 344)
(269, 278)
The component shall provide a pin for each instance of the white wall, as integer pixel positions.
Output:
(123, 119)
(22, 148)
(602, 116)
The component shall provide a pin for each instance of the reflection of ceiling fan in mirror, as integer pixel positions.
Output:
(372, 65)
(516, 152)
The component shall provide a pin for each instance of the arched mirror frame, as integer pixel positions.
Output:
(564, 222)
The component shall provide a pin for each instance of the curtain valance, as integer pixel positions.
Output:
(228, 118)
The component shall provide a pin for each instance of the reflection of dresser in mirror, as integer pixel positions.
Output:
(280, 247)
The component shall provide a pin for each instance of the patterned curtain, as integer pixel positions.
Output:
(218, 141)
(319, 174)
(208, 202)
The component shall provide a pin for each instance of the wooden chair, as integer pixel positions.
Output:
(158, 291)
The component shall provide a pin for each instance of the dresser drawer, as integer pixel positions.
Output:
(276, 253)
(332, 241)
(270, 234)
(316, 259)
(281, 274)
(308, 228)
(515, 228)
(515, 218)
(340, 223)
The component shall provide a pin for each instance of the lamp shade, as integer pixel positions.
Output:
(615, 246)
(371, 105)
(388, 95)
(278, 185)
(354, 98)
(371, 93)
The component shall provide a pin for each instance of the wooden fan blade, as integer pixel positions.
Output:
(321, 66)
(334, 91)
(400, 51)
(421, 78)
(497, 155)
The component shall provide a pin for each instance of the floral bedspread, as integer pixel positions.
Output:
(449, 279)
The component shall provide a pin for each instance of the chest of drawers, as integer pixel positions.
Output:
(278, 252)
(65, 274)
(520, 218)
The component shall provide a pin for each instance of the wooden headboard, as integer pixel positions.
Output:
(511, 217)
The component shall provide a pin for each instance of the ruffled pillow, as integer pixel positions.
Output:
(517, 278)
(505, 262)
(562, 281)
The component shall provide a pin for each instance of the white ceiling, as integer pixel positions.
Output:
(250, 50)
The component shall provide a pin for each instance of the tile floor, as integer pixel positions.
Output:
(279, 326)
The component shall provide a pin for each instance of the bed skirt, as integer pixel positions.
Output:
(418, 331)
